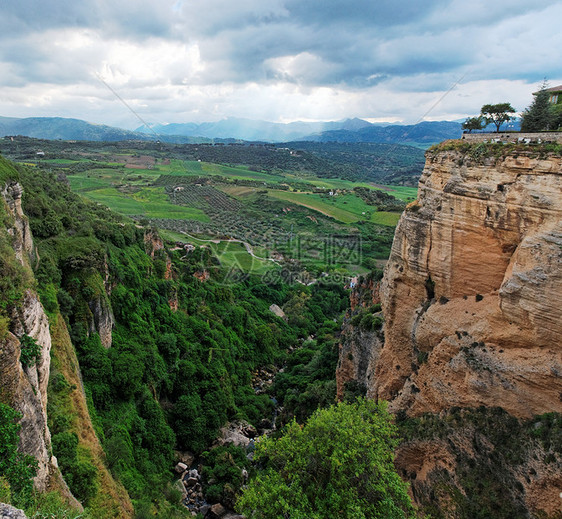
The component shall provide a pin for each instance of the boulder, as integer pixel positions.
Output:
(237, 433)
(216, 512)
(181, 467)
(190, 482)
(277, 311)
(186, 457)
(9, 512)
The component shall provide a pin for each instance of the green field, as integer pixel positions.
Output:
(81, 183)
(335, 183)
(196, 168)
(58, 161)
(407, 194)
(262, 209)
(147, 203)
(346, 208)
(314, 202)
(232, 255)
(385, 218)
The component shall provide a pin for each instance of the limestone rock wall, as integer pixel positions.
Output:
(25, 388)
(102, 319)
(23, 243)
(359, 349)
(473, 288)
(20, 391)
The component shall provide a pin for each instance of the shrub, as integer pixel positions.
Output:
(4, 326)
(30, 351)
(80, 474)
(18, 469)
(223, 472)
(339, 464)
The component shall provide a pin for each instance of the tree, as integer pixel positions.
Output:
(18, 469)
(539, 116)
(474, 123)
(339, 464)
(497, 114)
(556, 122)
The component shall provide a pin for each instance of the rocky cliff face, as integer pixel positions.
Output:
(471, 290)
(23, 243)
(102, 319)
(25, 388)
(471, 300)
(360, 347)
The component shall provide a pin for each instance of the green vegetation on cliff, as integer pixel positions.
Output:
(185, 341)
(338, 464)
(16, 469)
(496, 459)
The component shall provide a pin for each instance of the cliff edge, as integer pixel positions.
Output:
(470, 352)
(472, 288)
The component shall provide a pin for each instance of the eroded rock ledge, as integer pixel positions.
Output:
(471, 293)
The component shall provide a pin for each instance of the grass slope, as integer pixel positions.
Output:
(112, 499)
(314, 202)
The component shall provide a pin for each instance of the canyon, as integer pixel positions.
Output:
(461, 334)
(471, 304)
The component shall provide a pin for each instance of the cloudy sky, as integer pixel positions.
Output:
(275, 60)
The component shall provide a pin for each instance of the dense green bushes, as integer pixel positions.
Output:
(30, 351)
(79, 474)
(226, 469)
(171, 378)
(307, 381)
(18, 469)
(338, 464)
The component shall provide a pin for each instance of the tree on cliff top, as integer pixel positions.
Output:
(497, 114)
(474, 123)
(339, 464)
(538, 116)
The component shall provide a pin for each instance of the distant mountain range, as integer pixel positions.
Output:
(250, 130)
(66, 129)
(424, 133)
(350, 130)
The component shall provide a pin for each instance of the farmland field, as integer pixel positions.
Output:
(147, 203)
(253, 218)
(385, 218)
(405, 193)
(314, 202)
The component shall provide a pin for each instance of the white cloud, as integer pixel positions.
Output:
(282, 60)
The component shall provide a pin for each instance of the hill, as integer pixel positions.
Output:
(234, 129)
(382, 163)
(66, 129)
(348, 130)
(250, 130)
(422, 134)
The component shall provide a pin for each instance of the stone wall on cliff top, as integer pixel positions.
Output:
(472, 292)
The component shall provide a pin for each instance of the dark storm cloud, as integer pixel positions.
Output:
(324, 42)
(140, 18)
(354, 41)
(219, 54)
